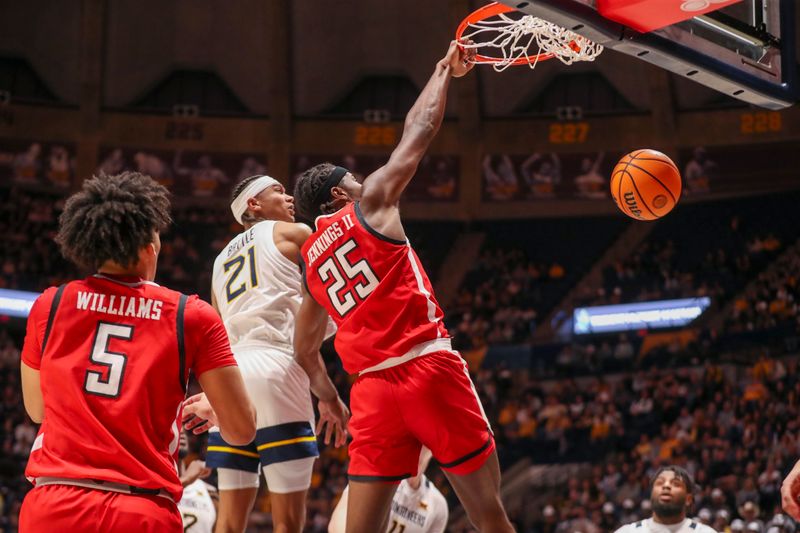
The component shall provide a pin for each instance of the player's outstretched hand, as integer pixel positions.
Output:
(460, 59)
(198, 415)
(333, 417)
(790, 492)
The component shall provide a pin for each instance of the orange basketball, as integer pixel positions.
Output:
(646, 184)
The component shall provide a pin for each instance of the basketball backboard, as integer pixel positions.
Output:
(743, 48)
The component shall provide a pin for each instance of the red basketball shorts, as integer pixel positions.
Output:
(427, 401)
(65, 508)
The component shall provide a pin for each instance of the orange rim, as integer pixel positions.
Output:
(485, 12)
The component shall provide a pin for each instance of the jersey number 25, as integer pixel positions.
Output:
(340, 269)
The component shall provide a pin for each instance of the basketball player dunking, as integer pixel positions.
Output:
(412, 388)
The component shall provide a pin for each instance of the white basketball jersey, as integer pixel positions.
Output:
(650, 526)
(197, 508)
(257, 289)
(421, 511)
(413, 511)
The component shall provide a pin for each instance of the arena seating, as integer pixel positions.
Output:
(524, 269)
(732, 427)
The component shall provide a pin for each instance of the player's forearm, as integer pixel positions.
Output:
(227, 396)
(187, 478)
(309, 332)
(321, 384)
(425, 117)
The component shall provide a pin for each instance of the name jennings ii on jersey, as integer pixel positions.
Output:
(375, 289)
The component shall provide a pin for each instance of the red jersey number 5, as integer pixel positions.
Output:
(115, 362)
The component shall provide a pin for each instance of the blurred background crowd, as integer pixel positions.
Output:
(723, 401)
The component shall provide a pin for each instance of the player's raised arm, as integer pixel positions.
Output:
(311, 323)
(384, 186)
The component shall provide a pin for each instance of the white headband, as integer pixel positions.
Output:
(239, 204)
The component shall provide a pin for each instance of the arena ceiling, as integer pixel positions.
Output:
(331, 46)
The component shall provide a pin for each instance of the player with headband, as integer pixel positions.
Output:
(412, 388)
(256, 287)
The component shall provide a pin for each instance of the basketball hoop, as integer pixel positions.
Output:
(490, 27)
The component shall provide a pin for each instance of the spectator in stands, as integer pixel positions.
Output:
(542, 174)
(590, 183)
(251, 167)
(443, 180)
(750, 512)
(722, 520)
(205, 177)
(500, 178)
(630, 513)
(27, 165)
(59, 167)
(699, 172)
(155, 167)
(114, 163)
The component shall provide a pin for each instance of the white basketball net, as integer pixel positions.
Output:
(515, 37)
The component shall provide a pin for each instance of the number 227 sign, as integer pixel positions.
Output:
(568, 132)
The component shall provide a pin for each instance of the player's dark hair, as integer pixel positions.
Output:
(679, 473)
(111, 218)
(243, 183)
(237, 190)
(305, 191)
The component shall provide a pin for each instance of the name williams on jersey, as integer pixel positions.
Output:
(114, 304)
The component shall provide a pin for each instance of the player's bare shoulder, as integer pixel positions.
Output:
(296, 232)
(289, 238)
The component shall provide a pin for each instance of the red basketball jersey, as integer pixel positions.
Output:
(114, 356)
(373, 286)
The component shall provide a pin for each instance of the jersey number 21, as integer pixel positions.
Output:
(235, 266)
